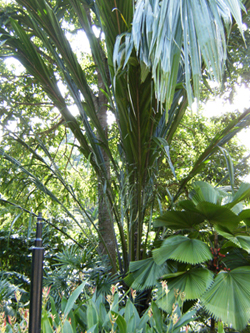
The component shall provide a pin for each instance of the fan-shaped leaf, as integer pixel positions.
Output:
(228, 298)
(203, 191)
(144, 273)
(245, 216)
(239, 240)
(193, 283)
(217, 214)
(184, 249)
(178, 220)
(242, 194)
(244, 242)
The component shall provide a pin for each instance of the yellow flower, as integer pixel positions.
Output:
(175, 318)
(165, 286)
(150, 313)
(109, 299)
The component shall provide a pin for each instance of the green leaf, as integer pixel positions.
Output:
(120, 321)
(179, 220)
(217, 214)
(242, 194)
(131, 316)
(67, 328)
(45, 323)
(183, 249)
(144, 273)
(193, 283)
(92, 316)
(228, 299)
(245, 216)
(184, 320)
(244, 242)
(157, 317)
(230, 166)
(73, 298)
(203, 191)
(92, 329)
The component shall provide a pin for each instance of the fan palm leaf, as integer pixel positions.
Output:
(183, 249)
(242, 241)
(228, 298)
(193, 283)
(159, 46)
(145, 273)
(179, 220)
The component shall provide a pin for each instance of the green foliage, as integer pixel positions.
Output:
(219, 286)
(48, 164)
(163, 42)
(93, 313)
(98, 184)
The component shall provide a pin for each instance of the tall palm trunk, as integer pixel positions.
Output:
(106, 227)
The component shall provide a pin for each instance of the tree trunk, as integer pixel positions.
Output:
(106, 226)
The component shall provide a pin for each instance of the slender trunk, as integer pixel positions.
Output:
(106, 227)
(108, 239)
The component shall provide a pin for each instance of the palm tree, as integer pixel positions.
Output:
(148, 67)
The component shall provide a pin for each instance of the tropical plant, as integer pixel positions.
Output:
(141, 81)
(206, 256)
(95, 313)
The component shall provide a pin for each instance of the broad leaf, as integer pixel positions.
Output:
(131, 316)
(245, 216)
(73, 298)
(193, 282)
(203, 191)
(120, 321)
(157, 317)
(67, 328)
(242, 194)
(217, 214)
(228, 298)
(144, 273)
(183, 249)
(178, 220)
(190, 284)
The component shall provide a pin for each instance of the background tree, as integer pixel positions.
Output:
(137, 80)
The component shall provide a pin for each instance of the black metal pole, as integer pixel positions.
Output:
(36, 280)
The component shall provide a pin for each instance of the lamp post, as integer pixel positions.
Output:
(36, 280)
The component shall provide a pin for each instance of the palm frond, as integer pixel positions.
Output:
(228, 299)
(217, 214)
(145, 273)
(183, 249)
(179, 220)
(243, 193)
(163, 31)
(192, 283)
(203, 191)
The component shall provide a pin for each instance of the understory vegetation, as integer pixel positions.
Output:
(143, 197)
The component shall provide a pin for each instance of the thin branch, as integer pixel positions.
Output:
(54, 127)
(69, 157)
(45, 220)
(117, 17)
(35, 104)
